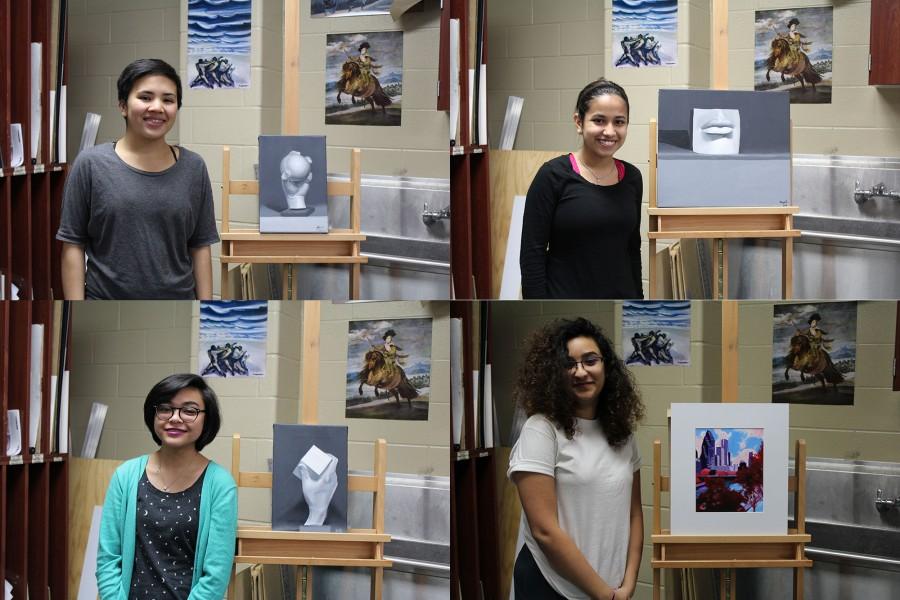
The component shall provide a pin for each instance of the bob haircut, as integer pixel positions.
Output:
(166, 389)
(598, 88)
(544, 386)
(141, 68)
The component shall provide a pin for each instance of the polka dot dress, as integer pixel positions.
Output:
(166, 541)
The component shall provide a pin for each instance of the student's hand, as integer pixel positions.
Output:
(624, 593)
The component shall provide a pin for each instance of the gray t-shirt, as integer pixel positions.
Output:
(137, 228)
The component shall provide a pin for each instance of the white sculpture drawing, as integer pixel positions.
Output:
(317, 474)
(296, 175)
(717, 131)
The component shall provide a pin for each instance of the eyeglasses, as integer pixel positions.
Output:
(591, 360)
(188, 414)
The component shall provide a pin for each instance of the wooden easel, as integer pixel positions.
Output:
(719, 224)
(340, 246)
(355, 548)
(729, 552)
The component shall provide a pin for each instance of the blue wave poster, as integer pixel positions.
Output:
(656, 334)
(644, 33)
(218, 44)
(232, 338)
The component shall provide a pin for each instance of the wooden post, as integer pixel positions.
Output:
(309, 372)
(290, 116)
(720, 45)
(729, 351)
(355, 218)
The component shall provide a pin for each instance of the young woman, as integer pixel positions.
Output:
(140, 209)
(170, 518)
(576, 467)
(581, 234)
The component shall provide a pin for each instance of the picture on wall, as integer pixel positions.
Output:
(389, 369)
(232, 338)
(644, 33)
(729, 467)
(814, 353)
(218, 44)
(656, 333)
(293, 187)
(348, 8)
(309, 478)
(364, 78)
(729, 472)
(736, 142)
(793, 53)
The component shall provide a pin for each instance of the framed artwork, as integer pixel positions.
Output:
(729, 469)
(793, 53)
(644, 33)
(364, 78)
(656, 333)
(309, 478)
(735, 143)
(218, 43)
(348, 8)
(293, 187)
(232, 338)
(389, 369)
(814, 353)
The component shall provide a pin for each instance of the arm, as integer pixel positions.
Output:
(634, 244)
(538, 495)
(109, 548)
(72, 266)
(537, 223)
(202, 260)
(635, 538)
(215, 574)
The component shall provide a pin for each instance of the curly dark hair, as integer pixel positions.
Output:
(543, 385)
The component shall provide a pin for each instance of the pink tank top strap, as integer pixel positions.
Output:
(574, 163)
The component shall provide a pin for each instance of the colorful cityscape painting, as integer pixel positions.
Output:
(729, 469)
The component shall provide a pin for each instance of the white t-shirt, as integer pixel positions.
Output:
(593, 494)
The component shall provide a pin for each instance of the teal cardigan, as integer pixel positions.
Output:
(215, 536)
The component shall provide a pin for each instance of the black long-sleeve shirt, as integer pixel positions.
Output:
(579, 239)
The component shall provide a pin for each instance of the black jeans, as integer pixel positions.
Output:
(530, 582)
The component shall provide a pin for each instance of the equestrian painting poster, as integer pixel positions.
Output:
(793, 53)
(364, 78)
(232, 338)
(644, 33)
(814, 353)
(349, 8)
(389, 369)
(218, 44)
(656, 334)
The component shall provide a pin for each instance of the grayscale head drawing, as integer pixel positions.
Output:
(296, 175)
(716, 131)
(317, 474)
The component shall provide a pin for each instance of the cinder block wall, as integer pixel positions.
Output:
(861, 119)
(416, 447)
(104, 36)
(867, 430)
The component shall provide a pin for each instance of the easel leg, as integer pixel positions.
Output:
(715, 264)
(651, 256)
(377, 582)
(733, 578)
(285, 282)
(722, 589)
(798, 584)
(656, 590)
(724, 269)
(787, 269)
(224, 282)
(230, 594)
(354, 281)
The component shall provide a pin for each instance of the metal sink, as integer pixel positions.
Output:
(426, 253)
(866, 544)
(856, 231)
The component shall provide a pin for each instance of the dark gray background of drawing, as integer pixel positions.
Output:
(291, 442)
(273, 148)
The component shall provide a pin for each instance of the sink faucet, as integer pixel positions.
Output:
(883, 505)
(877, 190)
(430, 217)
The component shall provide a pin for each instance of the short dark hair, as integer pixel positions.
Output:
(814, 317)
(166, 389)
(794, 21)
(364, 45)
(141, 68)
(389, 332)
(598, 88)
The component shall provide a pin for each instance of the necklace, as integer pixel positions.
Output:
(159, 476)
(594, 174)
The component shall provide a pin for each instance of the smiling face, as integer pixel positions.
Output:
(586, 374)
(151, 107)
(177, 431)
(605, 125)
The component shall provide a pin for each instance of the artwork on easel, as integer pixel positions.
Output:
(364, 78)
(309, 478)
(736, 142)
(644, 33)
(656, 333)
(293, 191)
(793, 53)
(232, 338)
(814, 353)
(218, 43)
(389, 369)
(729, 470)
